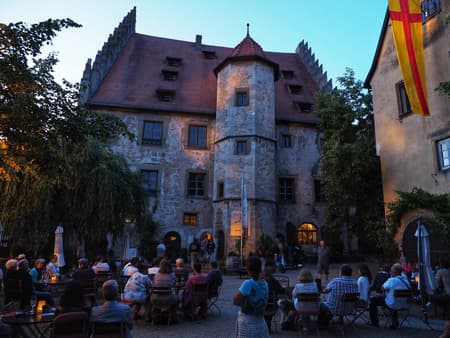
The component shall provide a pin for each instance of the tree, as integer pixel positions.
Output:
(55, 165)
(351, 176)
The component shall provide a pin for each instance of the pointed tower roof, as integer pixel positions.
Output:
(248, 50)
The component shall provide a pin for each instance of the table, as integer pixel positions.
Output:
(30, 325)
(56, 288)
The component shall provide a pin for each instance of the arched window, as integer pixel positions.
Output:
(307, 234)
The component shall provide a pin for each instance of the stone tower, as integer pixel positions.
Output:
(245, 144)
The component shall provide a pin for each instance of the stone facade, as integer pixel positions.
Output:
(407, 145)
(199, 86)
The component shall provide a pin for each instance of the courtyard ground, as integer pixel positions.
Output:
(224, 325)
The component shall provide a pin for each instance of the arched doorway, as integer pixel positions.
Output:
(220, 244)
(172, 240)
(307, 234)
(438, 248)
(291, 235)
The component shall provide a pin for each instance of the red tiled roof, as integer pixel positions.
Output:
(135, 77)
(248, 47)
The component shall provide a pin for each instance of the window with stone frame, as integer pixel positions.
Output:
(196, 185)
(429, 9)
(208, 54)
(295, 89)
(170, 75)
(307, 234)
(443, 148)
(318, 191)
(220, 189)
(286, 141)
(152, 133)
(241, 147)
(150, 181)
(197, 136)
(189, 218)
(404, 107)
(286, 188)
(241, 97)
(288, 74)
(165, 95)
(173, 61)
(304, 107)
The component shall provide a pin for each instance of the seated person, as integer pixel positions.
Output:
(100, 265)
(138, 290)
(164, 279)
(84, 273)
(376, 289)
(335, 289)
(155, 268)
(395, 282)
(181, 273)
(37, 273)
(72, 299)
(112, 310)
(26, 281)
(442, 296)
(52, 267)
(364, 280)
(275, 289)
(18, 284)
(214, 279)
(130, 267)
(190, 298)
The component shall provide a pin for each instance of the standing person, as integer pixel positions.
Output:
(323, 259)
(194, 248)
(211, 248)
(161, 250)
(262, 254)
(280, 252)
(252, 297)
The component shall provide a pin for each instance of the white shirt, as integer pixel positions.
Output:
(129, 270)
(52, 269)
(363, 288)
(101, 267)
(392, 284)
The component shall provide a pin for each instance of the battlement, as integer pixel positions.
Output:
(95, 72)
(312, 65)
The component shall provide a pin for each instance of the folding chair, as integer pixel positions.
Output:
(361, 311)
(70, 325)
(108, 330)
(270, 312)
(200, 299)
(308, 305)
(346, 310)
(90, 291)
(283, 279)
(405, 296)
(102, 277)
(213, 297)
(161, 309)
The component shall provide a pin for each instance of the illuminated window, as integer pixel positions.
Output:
(307, 234)
(189, 218)
(444, 154)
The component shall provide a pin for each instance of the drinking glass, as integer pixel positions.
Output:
(33, 302)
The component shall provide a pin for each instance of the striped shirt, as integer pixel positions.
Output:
(337, 287)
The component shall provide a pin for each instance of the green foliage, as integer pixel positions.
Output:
(266, 242)
(55, 166)
(146, 228)
(438, 204)
(350, 168)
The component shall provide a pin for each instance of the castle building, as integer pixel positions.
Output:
(414, 150)
(204, 118)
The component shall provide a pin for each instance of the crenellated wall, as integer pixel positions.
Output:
(313, 66)
(94, 74)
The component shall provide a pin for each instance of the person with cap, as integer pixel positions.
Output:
(112, 310)
(84, 274)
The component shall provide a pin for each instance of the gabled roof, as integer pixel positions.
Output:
(134, 79)
(374, 65)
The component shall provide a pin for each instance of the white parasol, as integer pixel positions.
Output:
(59, 246)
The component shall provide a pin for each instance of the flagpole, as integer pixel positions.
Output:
(242, 219)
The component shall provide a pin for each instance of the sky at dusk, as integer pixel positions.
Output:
(341, 33)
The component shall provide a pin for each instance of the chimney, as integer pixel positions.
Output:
(198, 41)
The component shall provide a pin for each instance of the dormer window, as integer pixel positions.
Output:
(304, 107)
(295, 89)
(287, 74)
(166, 95)
(173, 62)
(169, 75)
(209, 54)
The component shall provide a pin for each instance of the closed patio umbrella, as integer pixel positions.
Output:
(59, 246)
(423, 252)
